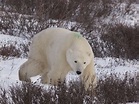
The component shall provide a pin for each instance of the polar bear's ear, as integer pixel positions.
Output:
(77, 34)
(70, 51)
(89, 54)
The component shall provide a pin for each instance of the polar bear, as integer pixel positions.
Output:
(56, 51)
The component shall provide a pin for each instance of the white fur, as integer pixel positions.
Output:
(53, 53)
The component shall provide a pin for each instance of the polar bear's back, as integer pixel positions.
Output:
(55, 37)
(56, 32)
(51, 42)
(58, 40)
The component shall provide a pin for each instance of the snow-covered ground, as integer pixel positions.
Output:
(104, 66)
(9, 67)
(8, 40)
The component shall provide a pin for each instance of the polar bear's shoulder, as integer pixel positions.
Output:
(59, 33)
(57, 30)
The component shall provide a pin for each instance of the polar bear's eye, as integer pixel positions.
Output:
(75, 61)
(84, 62)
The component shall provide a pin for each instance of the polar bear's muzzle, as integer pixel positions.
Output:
(78, 72)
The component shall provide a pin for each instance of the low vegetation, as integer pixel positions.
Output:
(115, 38)
(110, 90)
(25, 18)
(11, 50)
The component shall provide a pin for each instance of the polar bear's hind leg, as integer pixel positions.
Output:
(29, 69)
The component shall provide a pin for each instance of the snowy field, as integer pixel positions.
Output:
(104, 66)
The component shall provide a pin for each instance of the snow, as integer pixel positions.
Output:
(132, 103)
(114, 65)
(9, 70)
(8, 40)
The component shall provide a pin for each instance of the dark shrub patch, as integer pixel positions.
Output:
(12, 51)
(115, 90)
(110, 90)
(122, 41)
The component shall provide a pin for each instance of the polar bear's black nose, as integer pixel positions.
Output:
(78, 72)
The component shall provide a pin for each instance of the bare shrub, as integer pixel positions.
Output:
(115, 90)
(25, 18)
(29, 21)
(110, 90)
(3, 96)
(12, 51)
(122, 41)
(29, 93)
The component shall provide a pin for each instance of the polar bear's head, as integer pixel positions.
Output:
(77, 60)
(79, 56)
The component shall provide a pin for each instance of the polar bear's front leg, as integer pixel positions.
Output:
(54, 77)
(89, 82)
(44, 78)
(89, 77)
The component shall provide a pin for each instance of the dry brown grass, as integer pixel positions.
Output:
(111, 90)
